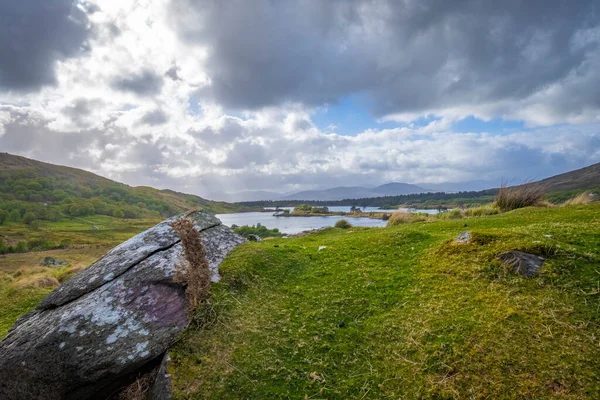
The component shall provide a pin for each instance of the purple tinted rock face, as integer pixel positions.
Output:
(86, 339)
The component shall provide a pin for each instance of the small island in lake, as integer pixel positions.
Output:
(306, 210)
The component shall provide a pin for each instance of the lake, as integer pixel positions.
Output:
(292, 225)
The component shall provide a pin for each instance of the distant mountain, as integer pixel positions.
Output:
(49, 190)
(357, 192)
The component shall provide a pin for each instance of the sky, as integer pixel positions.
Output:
(212, 96)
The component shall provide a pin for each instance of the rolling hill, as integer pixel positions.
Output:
(48, 191)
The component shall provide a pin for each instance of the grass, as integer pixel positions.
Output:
(580, 199)
(403, 312)
(513, 197)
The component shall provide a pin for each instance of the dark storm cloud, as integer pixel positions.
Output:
(143, 83)
(34, 35)
(409, 56)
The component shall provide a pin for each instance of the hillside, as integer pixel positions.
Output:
(403, 312)
(50, 191)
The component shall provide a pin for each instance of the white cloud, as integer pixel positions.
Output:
(152, 102)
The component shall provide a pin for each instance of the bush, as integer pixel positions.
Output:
(21, 247)
(342, 223)
(259, 230)
(513, 197)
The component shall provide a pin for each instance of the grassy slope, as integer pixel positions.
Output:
(181, 201)
(422, 317)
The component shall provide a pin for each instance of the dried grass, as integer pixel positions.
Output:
(580, 199)
(140, 389)
(399, 218)
(513, 197)
(197, 276)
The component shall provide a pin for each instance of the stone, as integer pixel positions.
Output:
(521, 263)
(161, 388)
(254, 238)
(53, 262)
(101, 328)
(464, 237)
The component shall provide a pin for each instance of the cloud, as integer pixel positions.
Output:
(201, 96)
(254, 158)
(155, 117)
(143, 83)
(34, 36)
(426, 57)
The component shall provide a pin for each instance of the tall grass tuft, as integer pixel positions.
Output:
(513, 197)
(580, 199)
(399, 218)
(487, 209)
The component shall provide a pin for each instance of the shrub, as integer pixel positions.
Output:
(342, 223)
(21, 247)
(259, 230)
(513, 197)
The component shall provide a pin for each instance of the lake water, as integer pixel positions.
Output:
(292, 225)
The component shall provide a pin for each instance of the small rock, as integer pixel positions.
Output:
(464, 237)
(521, 263)
(53, 262)
(254, 238)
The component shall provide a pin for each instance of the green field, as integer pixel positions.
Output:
(403, 312)
(399, 312)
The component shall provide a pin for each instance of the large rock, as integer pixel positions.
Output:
(521, 263)
(115, 319)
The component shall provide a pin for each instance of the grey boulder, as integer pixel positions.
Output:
(464, 237)
(521, 263)
(114, 320)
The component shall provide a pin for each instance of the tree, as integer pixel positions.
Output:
(29, 217)
(14, 216)
(118, 213)
(3, 216)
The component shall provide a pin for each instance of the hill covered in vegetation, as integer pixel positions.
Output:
(557, 188)
(32, 190)
(404, 312)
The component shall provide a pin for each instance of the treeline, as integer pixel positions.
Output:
(27, 197)
(421, 199)
(38, 244)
